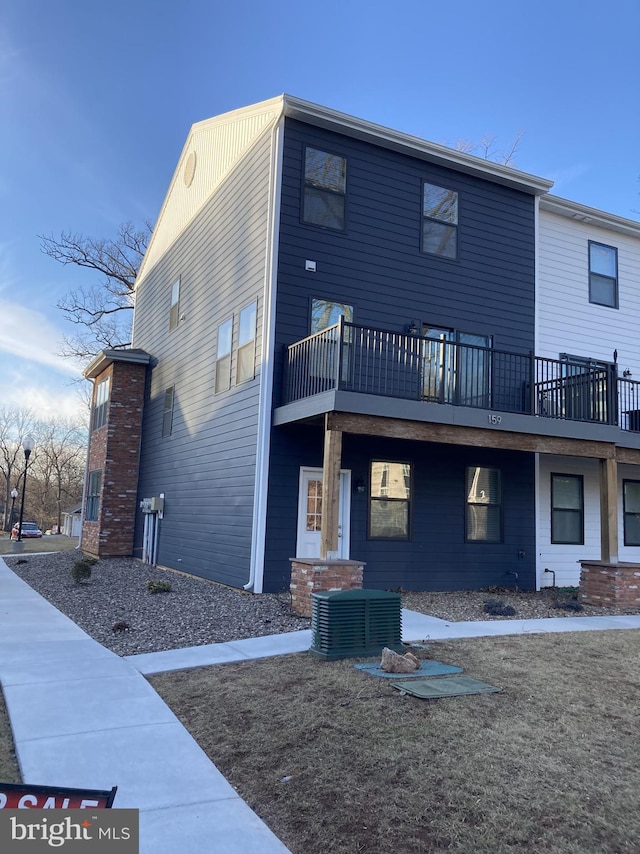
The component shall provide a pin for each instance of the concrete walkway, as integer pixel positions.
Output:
(84, 717)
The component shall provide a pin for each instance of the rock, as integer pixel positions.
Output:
(393, 662)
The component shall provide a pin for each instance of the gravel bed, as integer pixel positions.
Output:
(193, 613)
(516, 604)
(116, 608)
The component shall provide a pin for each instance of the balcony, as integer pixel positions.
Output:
(364, 360)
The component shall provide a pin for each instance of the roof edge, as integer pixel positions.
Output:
(309, 112)
(106, 358)
(592, 216)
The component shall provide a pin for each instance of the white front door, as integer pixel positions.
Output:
(310, 513)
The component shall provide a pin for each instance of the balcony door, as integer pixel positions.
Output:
(456, 367)
(310, 513)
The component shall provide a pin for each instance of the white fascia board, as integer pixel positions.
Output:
(310, 113)
(590, 216)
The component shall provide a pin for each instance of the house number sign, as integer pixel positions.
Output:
(494, 420)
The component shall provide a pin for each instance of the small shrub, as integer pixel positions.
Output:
(569, 606)
(120, 626)
(159, 586)
(81, 570)
(497, 608)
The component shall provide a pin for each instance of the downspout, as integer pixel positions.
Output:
(84, 489)
(259, 521)
(536, 349)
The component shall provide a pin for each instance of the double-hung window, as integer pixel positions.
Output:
(93, 496)
(389, 500)
(484, 505)
(174, 309)
(325, 186)
(246, 368)
(631, 507)
(101, 404)
(223, 357)
(167, 411)
(603, 274)
(439, 221)
(567, 509)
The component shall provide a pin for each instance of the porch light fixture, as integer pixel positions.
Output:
(626, 373)
(360, 486)
(27, 446)
(412, 328)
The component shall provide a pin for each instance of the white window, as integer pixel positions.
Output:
(174, 310)
(223, 358)
(246, 367)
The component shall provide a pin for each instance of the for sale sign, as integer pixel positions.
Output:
(19, 797)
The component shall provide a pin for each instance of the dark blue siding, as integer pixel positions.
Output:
(376, 265)
(436, 557)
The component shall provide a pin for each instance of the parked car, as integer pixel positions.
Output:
(29, 530)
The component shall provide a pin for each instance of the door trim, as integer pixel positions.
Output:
(345, 508)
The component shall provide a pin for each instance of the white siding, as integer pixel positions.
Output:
(564, 559)
(569, 323)
(216, 146)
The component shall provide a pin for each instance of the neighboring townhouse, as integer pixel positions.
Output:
(588, 305)
(335, 357)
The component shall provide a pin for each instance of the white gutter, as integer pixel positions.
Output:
(259, 525)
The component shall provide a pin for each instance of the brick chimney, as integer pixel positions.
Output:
(111, 489)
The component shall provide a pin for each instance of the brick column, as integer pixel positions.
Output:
(612, 585)
(114, 450)
(311, 575)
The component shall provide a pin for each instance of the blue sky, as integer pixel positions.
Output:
(97, 99)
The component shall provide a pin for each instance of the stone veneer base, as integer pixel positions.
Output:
(612, 585)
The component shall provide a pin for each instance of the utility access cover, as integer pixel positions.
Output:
(427, 668)
(452, 686)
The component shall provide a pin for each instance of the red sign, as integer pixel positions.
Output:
(14, 796)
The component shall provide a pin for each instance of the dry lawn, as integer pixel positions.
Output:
(336, 760)
(9, 772)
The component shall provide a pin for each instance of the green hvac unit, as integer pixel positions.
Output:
(347, 623)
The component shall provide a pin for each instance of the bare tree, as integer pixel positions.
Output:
(15, 424)
(56, 466)
(487, 148)
(102, 313)
(58, 469)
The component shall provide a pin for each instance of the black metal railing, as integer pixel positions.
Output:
(376, 361)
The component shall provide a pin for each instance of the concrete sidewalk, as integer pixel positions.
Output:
(84, 717)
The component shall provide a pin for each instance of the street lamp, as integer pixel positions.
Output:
(27, 445)
(14, 495)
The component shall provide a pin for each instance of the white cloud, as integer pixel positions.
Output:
(27, 334)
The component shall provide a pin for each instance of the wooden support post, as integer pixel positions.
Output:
(609, 510)
(330, 493)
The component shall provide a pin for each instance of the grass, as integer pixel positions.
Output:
(336, 760)
(9, 772)
(58, 543)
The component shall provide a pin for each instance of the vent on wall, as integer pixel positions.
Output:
(348, 623)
